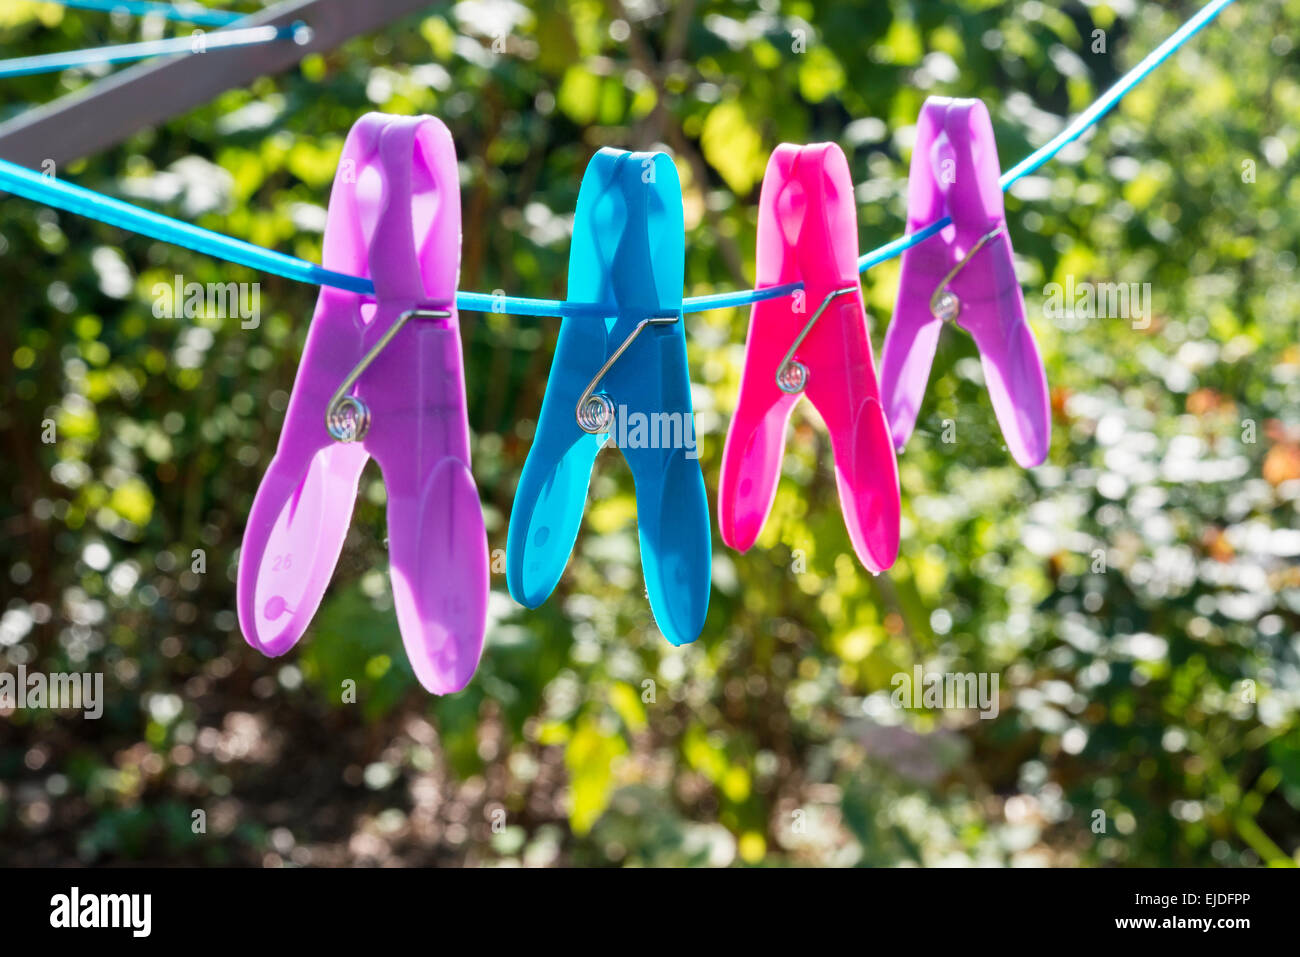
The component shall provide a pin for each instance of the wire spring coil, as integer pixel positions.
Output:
(348, 419)
(596, 414)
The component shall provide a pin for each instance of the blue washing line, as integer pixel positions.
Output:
(85, 202)
(222, 39)
(183, 12)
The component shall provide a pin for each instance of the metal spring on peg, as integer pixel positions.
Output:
(595, 410)
(347, 417)
(791, 374)
(944, 304)
(596, 414)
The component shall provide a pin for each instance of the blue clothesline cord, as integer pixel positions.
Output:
(85, 202)
(182, 12)
(222, 39)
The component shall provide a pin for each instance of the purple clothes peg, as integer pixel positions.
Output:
(963, 274)
(380, 376)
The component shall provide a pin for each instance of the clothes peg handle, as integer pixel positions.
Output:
(751, 460)
(296, 526)
(292, 542)
(866, 473)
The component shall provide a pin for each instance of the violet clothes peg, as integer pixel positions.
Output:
(620, 373)
(813, 343)
(380, 376)
(963, 275)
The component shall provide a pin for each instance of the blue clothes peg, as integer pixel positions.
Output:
(620, 371)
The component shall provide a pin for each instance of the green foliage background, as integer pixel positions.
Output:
(1138, 596)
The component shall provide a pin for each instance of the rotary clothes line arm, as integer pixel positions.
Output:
(105, 113)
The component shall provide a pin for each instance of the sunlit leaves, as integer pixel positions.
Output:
(732, 145)
(579, 94)
(820, 75)
(133, 501)
(590, 756)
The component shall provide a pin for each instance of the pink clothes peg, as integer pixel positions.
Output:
(380, 376)
(807, 232)
(963, 275)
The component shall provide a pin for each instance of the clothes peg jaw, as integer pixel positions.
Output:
(623, 363)
(380, 377)
(807, 233)
(963, 275)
